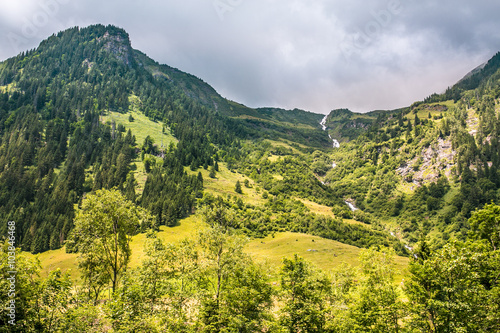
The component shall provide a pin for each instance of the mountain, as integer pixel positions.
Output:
(149, 184)
(423, 169)
(72, 109)
(54, 147)
(479, 77)
(473, 72)
(345, 125)
(480, 74)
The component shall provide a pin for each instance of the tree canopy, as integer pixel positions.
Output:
(102, 234)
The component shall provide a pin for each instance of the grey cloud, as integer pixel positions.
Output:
(292, 53)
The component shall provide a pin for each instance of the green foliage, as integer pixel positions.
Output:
(367, 300)
(39, 305)
(59, 93)
(25, 291)
(455, 289)
(84, 318)
(57, 147)
(237, 295)
(169, 192)
(377, 301)
(303, 295)
(211, 272)
(237, 187)
(283, 214)
(103, 227)
(208, 284)
(148, 147)
(226, 276)
(212, 172)
(485, 224)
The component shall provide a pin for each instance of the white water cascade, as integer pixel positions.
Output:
(323, 123)
(351, 206)
(336, 144)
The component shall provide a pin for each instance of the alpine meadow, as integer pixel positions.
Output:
(135, 198)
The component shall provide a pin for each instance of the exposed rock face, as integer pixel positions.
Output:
(437, 158)
(437, 107)
(472, 122)
(358, 124)
(119, 46)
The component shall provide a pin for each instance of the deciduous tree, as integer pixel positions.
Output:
(103, 229)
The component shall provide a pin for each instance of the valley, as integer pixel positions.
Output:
(324, 254)
(144, 201)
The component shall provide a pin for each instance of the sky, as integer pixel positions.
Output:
(316, 55)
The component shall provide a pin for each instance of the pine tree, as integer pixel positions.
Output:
(212, 172)
(193, 165)
(237, 188)
(400, 119)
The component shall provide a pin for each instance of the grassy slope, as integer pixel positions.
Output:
(141, 127)
(225, 182)
(323, 253)
(60, 259)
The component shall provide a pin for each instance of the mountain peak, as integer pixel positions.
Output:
(110, 38)
(117, 42)
(480, 74)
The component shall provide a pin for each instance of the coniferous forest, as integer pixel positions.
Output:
(84, 175)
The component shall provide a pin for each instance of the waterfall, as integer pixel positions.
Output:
(336, 144)
(351, 206)
(323, 123)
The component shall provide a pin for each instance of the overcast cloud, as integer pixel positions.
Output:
(315, 55)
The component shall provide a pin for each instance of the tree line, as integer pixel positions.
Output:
(207, 283)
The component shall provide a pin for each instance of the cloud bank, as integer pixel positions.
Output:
(316, 56)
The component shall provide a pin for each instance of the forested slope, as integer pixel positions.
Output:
(421, 169)
(54, 147)
(57, 143)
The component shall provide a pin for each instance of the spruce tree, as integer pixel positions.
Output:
(212, 172)
(237, 188)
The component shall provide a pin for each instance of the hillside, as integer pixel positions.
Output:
(323, 253)
(95, 113)
(423, 169)
(85, 111)
(181, 211)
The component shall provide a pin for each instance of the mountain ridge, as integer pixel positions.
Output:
(55, 146)
(158, 231)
